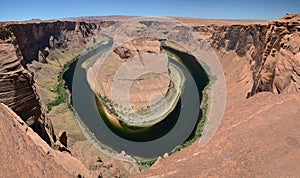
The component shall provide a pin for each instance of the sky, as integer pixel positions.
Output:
(18, 10)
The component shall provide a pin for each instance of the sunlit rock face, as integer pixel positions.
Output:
(17, 85)
(135, 74)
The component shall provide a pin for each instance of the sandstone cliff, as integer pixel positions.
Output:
(23, 43)
(269, 50)
(35, 39)
(17, 86)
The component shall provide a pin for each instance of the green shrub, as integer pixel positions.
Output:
(62, 94)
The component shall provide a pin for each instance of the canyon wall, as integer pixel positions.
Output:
(36, 39)
(271, 50)
(22, 43)
(17, 86)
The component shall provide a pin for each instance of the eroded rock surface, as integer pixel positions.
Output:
(270, 51)
(17, 86)
(254, 139)
(19, 154)
(24, 153)
(135, 71)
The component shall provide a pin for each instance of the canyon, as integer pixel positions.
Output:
(259, 133)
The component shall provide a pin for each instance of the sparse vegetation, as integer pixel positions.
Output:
(146, 164)
(62, 94)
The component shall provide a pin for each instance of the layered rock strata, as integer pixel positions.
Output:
(17, 86)
(21, 44)
(270, 51)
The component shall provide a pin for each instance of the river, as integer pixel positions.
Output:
(173, 131)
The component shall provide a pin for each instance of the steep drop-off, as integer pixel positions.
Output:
(24, 154)
(256, 57)
(23, 43)
(17, 86)
(270, 51)
(20, 155)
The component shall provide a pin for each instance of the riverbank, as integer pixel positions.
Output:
(146, 117)
(62, 117)
(103, 132)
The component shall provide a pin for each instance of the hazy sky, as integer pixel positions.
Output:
(211, 9)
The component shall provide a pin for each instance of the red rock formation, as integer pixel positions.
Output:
(144, 55)
(62, 137)
(17, 86)
(279, 71)
(20, 44)
(24, 154)
(257, 137)
(272, 50)
(20, 156)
